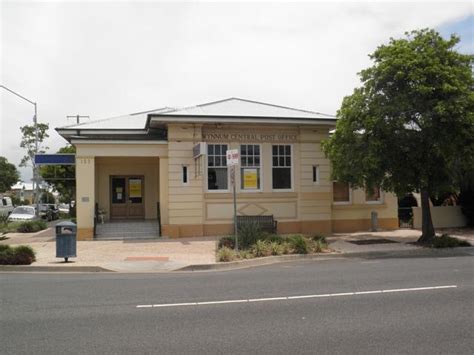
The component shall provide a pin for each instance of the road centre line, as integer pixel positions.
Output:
(289, 298)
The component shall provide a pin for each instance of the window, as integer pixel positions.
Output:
(341, 192)
(315, 174)
(185, 174)
(217, 167)
(281, 167)
(250, 166)
(373, 195)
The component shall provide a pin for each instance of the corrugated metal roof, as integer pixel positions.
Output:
(132, 121)
(244, 108)
(232, 107)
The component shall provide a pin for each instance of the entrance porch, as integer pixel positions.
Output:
(125, 185)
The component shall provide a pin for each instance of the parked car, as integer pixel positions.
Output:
(23, 213)
(6, 206)
(63, 208)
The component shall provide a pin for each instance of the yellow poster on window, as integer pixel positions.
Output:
(250, 179)
(135, 186)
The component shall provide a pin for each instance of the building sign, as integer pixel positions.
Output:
(232, 156)
(55, 159)
(250, 178)
(135, 186)
(214, 135)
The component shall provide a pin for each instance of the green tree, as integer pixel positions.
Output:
(28, 142)
(410, 126)
(47, 197)
(8, 175)
(62, 177)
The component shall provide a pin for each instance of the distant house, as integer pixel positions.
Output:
(23, 191)
(170, 165)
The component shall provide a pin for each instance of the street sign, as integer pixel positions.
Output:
(55, 159)
(232, 156)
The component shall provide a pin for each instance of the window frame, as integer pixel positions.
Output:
(206, 182)
(292, 167)
(241, 189)
(374, 202)
(341, 202)
(315, 166)
(185, 183)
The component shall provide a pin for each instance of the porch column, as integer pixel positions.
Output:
(164, 195)
(85, 196)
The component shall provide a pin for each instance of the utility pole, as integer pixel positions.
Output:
(35, 167)
(77, 117)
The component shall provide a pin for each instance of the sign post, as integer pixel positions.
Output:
(233, 160)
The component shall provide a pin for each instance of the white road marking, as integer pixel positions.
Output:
(290, 298)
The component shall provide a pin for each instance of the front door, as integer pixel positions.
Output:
(127, 197)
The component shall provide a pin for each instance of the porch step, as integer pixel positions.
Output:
(127, 230)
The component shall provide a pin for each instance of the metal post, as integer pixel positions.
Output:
(35, 120)
(235, 209)
(35, 167)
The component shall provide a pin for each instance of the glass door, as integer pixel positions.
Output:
(118, 203)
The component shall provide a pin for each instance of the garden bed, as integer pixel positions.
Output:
(253, 243)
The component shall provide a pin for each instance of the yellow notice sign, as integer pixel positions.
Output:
(135, 186)
(250, 179)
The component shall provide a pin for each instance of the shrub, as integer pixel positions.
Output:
(246, 254)
(228, 242)
(3, 220)
(225, 254)
(445, 241)
(4, 247)
(274, 238)
(286, 248)
(276, 248)
(21, 255)
(319, 238)
(249, 233)
(299, 244)
(31, 226)
(261, 248)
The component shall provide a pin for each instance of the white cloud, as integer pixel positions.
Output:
(108, 58)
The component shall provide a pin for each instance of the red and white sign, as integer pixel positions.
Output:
(232, 157)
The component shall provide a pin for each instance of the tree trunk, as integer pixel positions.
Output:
(427, 229)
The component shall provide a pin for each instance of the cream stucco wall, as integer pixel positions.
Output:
(188, 209)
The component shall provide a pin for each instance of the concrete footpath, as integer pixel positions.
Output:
(163, 254)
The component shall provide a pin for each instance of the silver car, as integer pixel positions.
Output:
(23, 213)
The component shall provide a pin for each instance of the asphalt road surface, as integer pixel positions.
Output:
(300, 307)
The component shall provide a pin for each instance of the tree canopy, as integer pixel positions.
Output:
(28, 141)
(8, 175)
(410, 126)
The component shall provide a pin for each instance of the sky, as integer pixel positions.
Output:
(103, 59)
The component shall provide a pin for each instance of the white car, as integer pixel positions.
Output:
(23, 213)
(63, 208)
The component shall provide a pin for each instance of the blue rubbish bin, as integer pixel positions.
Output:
(66, 244)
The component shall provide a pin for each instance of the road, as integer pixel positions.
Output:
(98, 313)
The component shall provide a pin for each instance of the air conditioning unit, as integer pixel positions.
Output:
(199, 149)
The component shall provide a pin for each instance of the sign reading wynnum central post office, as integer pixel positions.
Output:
(217, 135)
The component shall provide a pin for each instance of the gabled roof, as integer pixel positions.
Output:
(132, 121)
(236, 107)
(150, 125)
